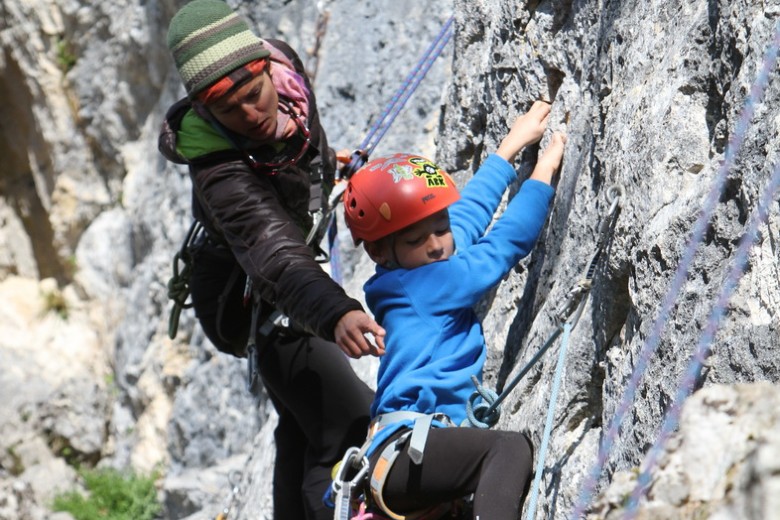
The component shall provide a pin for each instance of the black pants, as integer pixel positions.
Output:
(323, 406)
(496, 466)
(323, 410)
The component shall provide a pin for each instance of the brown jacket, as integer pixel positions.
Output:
(262, 216)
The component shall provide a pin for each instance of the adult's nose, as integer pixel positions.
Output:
(249, 113)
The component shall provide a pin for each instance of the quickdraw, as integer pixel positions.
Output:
(348, 483)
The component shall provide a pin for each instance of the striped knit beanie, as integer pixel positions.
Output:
(208, 40)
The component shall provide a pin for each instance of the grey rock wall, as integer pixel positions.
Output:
(649, 94)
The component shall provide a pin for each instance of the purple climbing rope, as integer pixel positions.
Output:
(651, 344)
(703, 348)
(407, 88)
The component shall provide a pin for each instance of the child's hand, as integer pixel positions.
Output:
(550, 160)
(527, 129)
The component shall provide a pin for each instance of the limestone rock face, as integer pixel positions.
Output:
(721, 463)
(649, 93)
(650, 96)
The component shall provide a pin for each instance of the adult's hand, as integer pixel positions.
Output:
(350, 335)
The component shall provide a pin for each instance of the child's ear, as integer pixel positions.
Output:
(374, 250)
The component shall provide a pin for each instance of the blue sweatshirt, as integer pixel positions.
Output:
(434, 341)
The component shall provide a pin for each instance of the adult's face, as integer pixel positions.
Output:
(250, 110)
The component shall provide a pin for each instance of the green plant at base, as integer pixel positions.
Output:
(113, 495)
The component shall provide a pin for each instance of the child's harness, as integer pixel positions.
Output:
(354, 492)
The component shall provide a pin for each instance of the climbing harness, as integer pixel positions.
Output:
(179, 283)
(234, 478)
(680, 276)
(357, 495)
(485, 413)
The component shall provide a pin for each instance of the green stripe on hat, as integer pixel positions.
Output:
(211, 65)
(208, 40)
(210, 35)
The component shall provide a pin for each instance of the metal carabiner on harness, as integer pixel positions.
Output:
(322, 218)
(345, 488)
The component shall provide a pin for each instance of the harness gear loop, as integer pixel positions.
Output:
(354, 489)
(567, 314)
(179, 283)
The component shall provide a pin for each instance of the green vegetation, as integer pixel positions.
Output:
(113, 495)
(55, 302)
(65, 57)
(71, 266)
(17, 468)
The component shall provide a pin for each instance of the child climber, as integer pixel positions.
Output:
(435, 260)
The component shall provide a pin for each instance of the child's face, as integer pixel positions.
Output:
(422, 243)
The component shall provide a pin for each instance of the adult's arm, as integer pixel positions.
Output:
(244, 208)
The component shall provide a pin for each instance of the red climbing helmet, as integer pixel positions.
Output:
(391, 193)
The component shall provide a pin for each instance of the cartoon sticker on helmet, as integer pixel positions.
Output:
(401, 173)
(396, 166)
(428, 171)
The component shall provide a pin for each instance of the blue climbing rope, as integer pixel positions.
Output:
(700, 227)
(703, 349)
(556, 387)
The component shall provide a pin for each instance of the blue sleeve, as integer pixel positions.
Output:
(472, 214)
(464, 278)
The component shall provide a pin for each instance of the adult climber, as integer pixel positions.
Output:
(258, 159)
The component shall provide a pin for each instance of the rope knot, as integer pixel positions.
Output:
(484, 414)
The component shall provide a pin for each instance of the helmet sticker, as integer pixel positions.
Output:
(386, 163)
(401, 173)
(428, 171)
